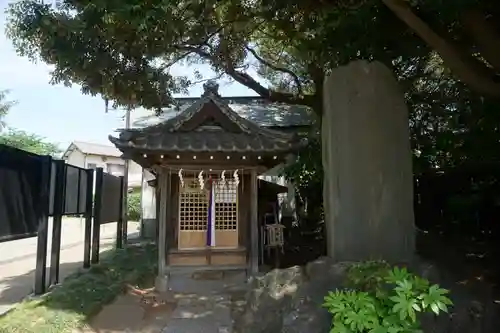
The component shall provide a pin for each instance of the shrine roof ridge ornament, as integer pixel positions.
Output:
(211, 87)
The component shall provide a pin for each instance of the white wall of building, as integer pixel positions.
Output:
(108, 163)
(76, 158)
(134, 174)
(286, 200)
(148, 198)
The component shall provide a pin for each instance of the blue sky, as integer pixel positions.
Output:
(62, 114)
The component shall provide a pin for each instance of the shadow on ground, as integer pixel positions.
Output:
(16, 288)
(82, 295)
(129, 312)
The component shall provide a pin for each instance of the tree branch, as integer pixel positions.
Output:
(173, 62)
(250, 82)
(484, 35)
(465, 68)
(294, 76)
(217, 77)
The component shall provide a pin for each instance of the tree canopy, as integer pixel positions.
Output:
(5, 107)
(124, 50)
(21, 139)
(30, 142)
(464, 32)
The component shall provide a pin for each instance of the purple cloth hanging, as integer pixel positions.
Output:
(211, 217)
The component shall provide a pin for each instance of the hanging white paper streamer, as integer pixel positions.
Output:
(236, 178)
(223, 178)
(181, 179)
(201, 180)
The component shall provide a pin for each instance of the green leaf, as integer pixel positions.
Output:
(28, 142)
(339, 328)
(416, 307)
(411, 313)
(392, 308)
(442, 306)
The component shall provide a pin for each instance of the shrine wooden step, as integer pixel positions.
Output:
(178, 269)
(208, 257)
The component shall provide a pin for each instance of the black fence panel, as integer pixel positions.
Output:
(52, 187)
(111, 198)
(82, 196)
(71, 191)
(108, 208)
(75, 190)
(34, 187)
(20, 190)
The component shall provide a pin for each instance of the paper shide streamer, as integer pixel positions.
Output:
(181, 178)
(236, 178)
(223, 180)
(201, 180)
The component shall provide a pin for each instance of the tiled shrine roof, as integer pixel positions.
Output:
(208, 125)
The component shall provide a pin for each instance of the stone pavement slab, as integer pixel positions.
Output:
(198, 325)
(217, 307)
(189, 307)
(204, 306)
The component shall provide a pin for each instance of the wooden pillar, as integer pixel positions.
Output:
(254, 224)
(164, 186)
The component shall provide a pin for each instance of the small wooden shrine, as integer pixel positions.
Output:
(207, 160)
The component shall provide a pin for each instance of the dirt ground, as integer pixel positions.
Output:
(137, 310)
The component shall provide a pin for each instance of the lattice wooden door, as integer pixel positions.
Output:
(226, 214)
(193, 215)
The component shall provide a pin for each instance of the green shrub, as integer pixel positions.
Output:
(134, 206)
(381, 299)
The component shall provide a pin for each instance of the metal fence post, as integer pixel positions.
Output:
(58, 212)
(89, 202)
(96, 232)
(119, 226)
(43, 225)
